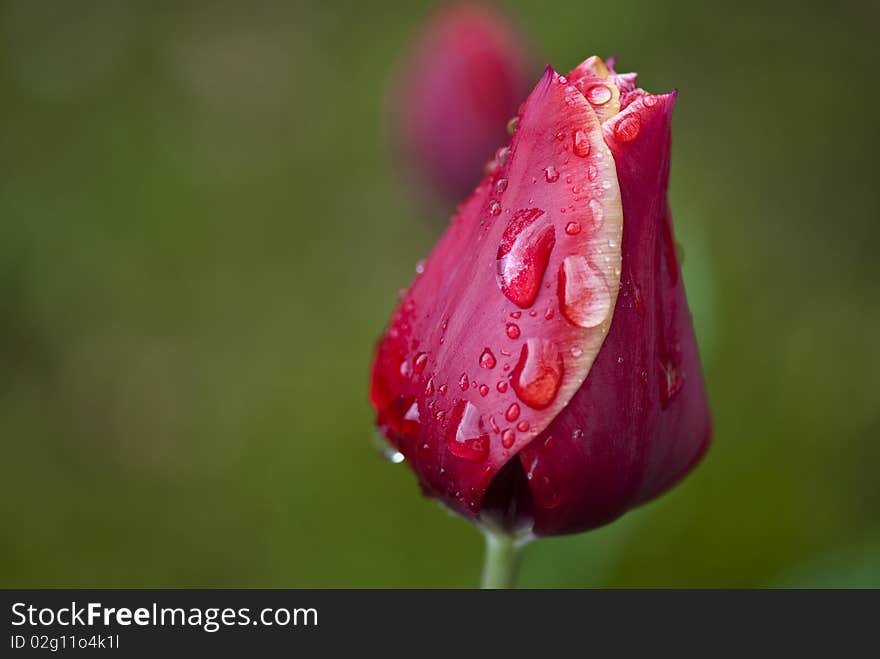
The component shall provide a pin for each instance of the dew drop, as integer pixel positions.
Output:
(467, 437)
(494, 425)
(412, 414)
(576, 352)
(673, 381)
(502, 155)
(501, 386)
(443, 389)
(494, 208)
(523, 256)
(429, 388)
(512, 124)
(516, 314)
(627, 129)
(581, 144)
(592, 172)
(584, 298)
(573, 228)
(551, 174)
(512, 330)
(522, 426)
(512, 413)
(420, 361)
(596, 209)
(484, 390)
(598, 94)
(501, 185)
(538, 374)
(463, 382)
(508, 437)
(487, 359)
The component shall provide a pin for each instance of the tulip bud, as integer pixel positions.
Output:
(541, 373)
(464, 79)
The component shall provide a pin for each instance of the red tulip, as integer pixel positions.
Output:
(541, 372)
(465, 78)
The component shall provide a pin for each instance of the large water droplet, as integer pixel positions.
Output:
(512, 330)
(573, 228)
(523, 256)
(508, 437)
(487, 359)
(581, 144)
(627, 129)
(584, 298)
(551, 174)
(512, 413)
(598, 94)
(538, 374)
(419, 362)
(467, 437)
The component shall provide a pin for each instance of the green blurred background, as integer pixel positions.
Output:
(202, 231)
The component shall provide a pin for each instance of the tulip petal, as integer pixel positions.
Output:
(641, 420)
(501, 327)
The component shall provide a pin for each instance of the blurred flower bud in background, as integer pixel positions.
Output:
(462, 78)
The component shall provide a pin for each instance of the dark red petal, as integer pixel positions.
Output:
(481, 354)
(641, 420)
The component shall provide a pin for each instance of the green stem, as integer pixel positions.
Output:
(501, 561)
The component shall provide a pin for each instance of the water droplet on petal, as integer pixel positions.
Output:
(649, 100)
(487, 359)
(463, 382)
(538, 374)
(467, 437)
(502, 155)
(523, 256)
(584, 298)
(576, 352)
(501, 185)
(627, 129)
(598, 94)
(420, 361)
(484, 390)
(512, 413)
(592, 172)
(508, 437)
(501, 386)
(581, 144)
(522, 426)
(672, 380)
(596, 209)
(494, 208)
(443, 389)
(429, 388)
(512, 124)
(551, 174)
(573, 228)
(412, 414)
(512, 330)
